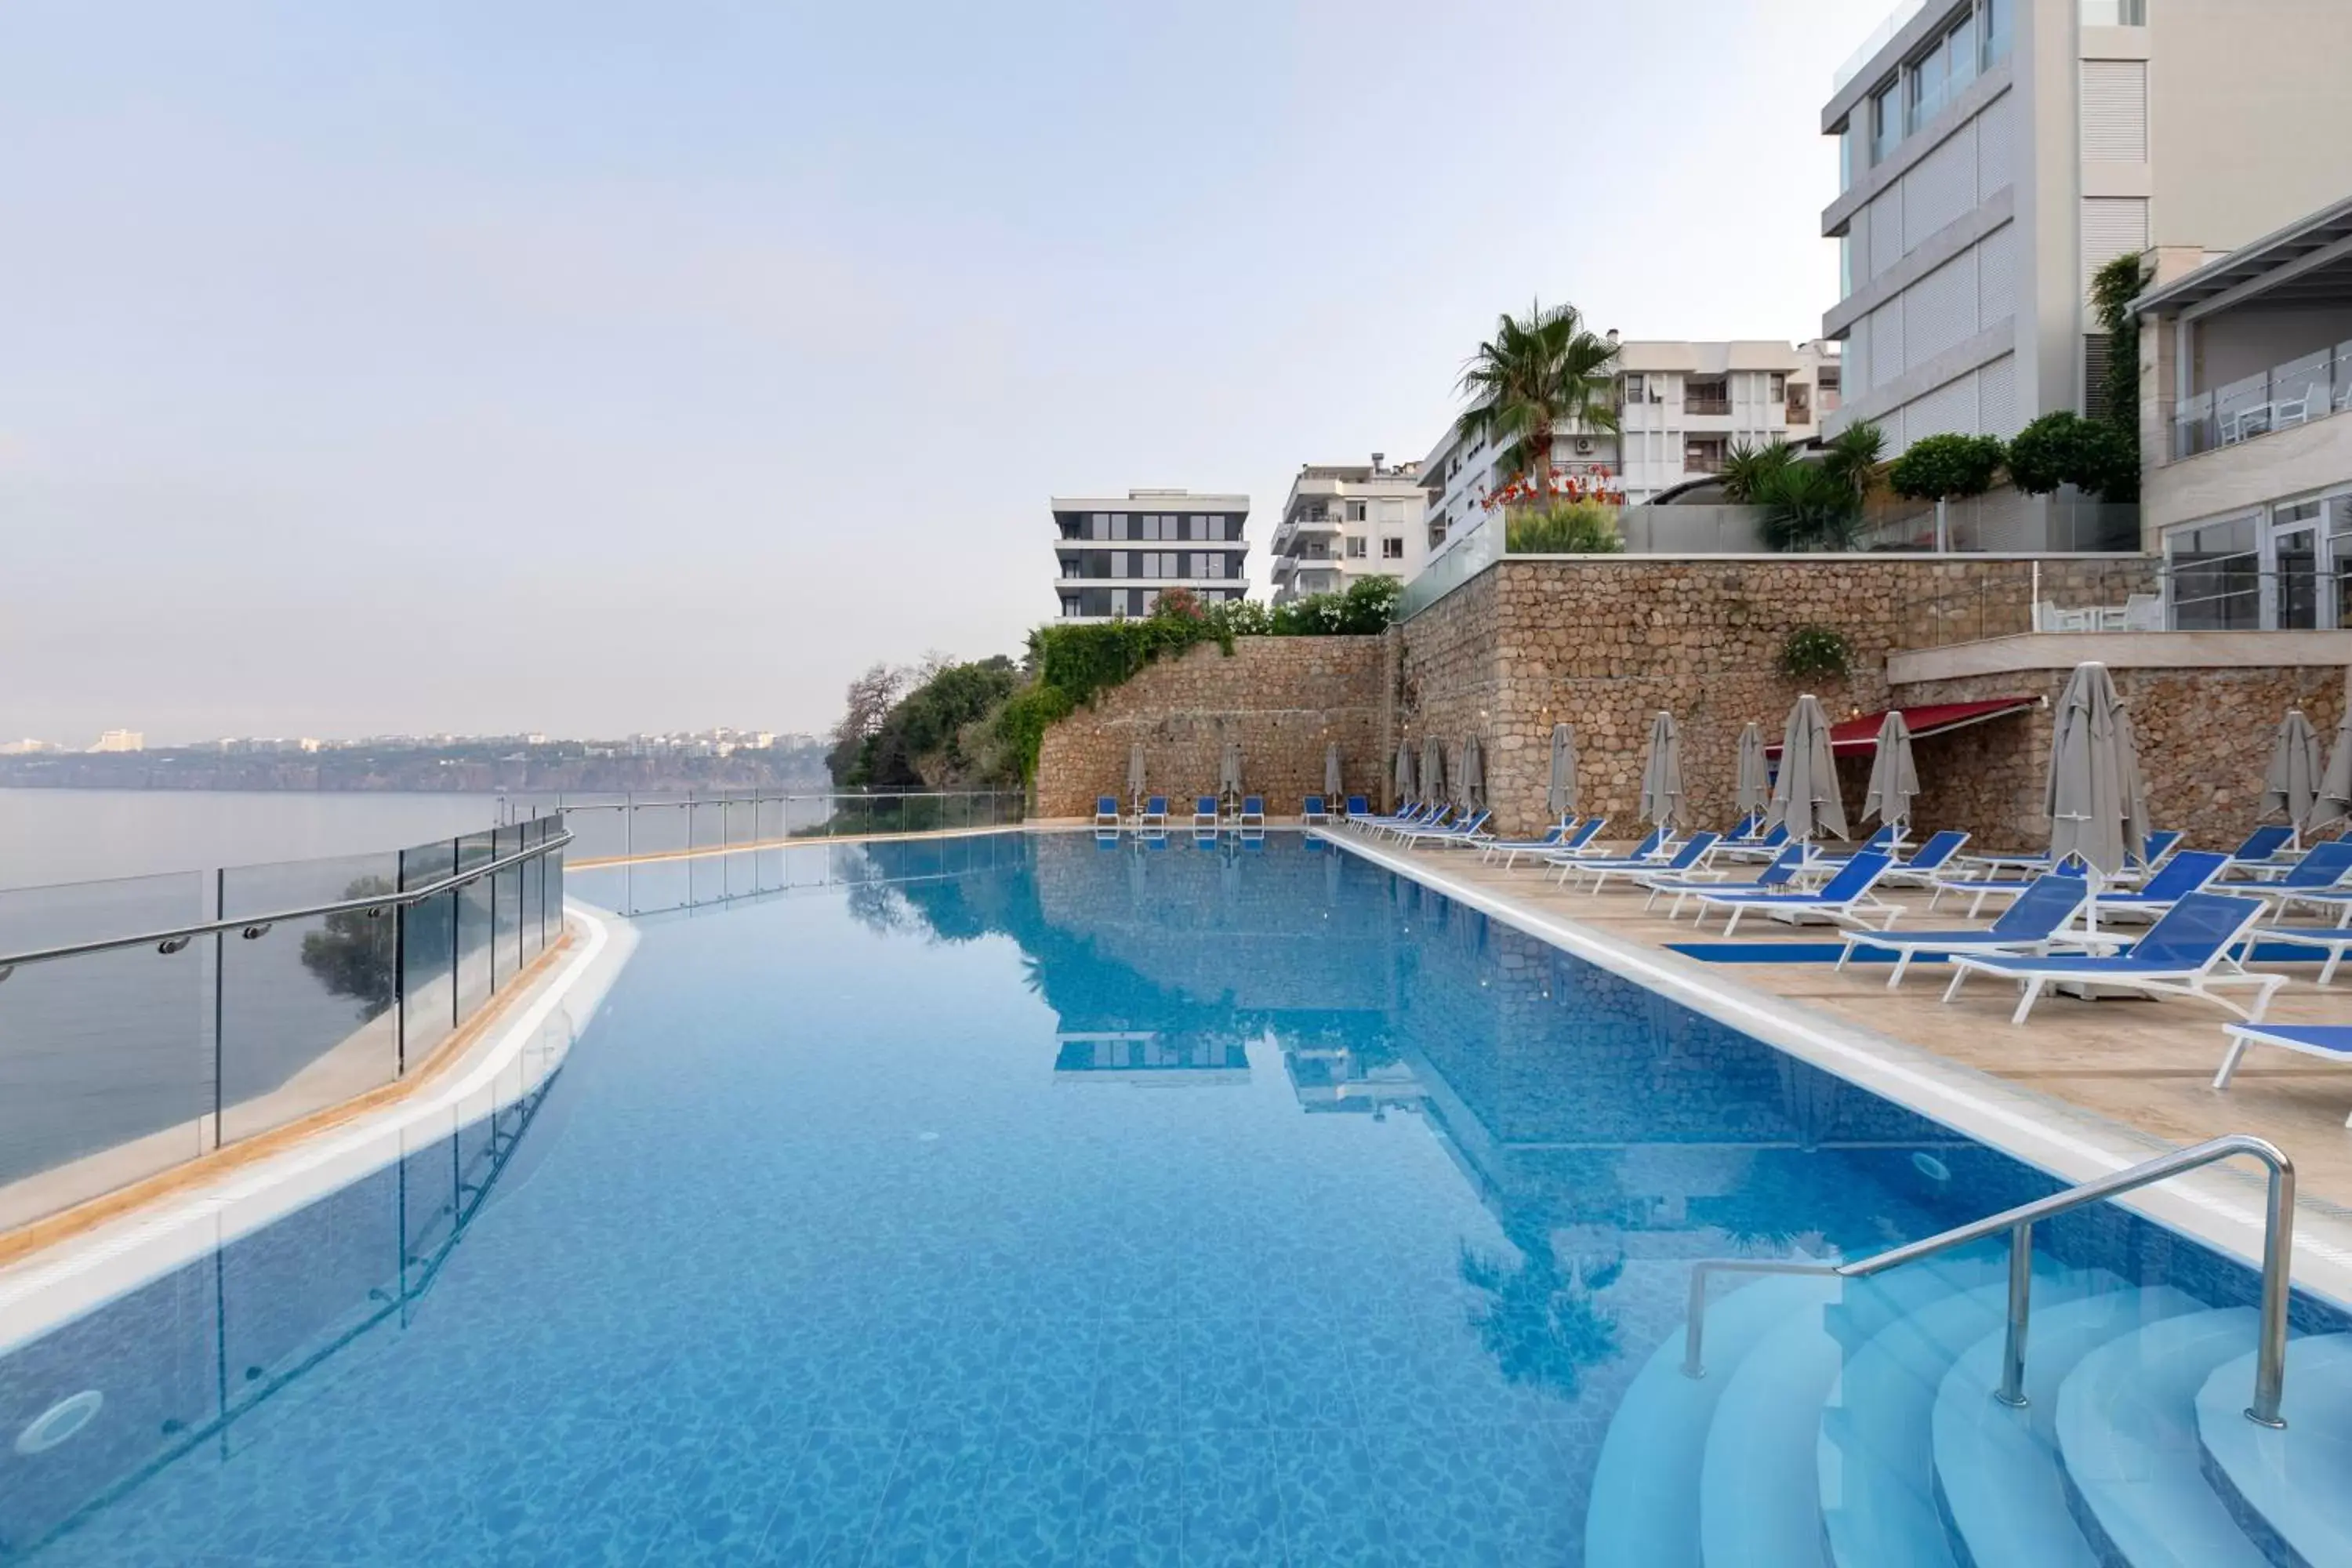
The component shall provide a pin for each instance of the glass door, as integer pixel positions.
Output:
(2297, 602)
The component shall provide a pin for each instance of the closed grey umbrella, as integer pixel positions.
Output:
(1474, 774)
(1331, 787)
(1404, 790)
(1754, 790)
(1661, 777)
(2334, 801)
(1893, 780)
(1135, 775)
(1805, 798)
(2290, 788)
(1560, 799)
(2098, 812)
(1433, 769)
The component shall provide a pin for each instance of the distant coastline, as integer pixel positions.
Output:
(534, 769)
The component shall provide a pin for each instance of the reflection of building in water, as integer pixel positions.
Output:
(1146, 1056)
(1334, 1077)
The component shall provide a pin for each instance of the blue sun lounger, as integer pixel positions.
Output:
(2157, 844)
(1687, 858)
(1155, 812)
(1568, 838)
(1466, 831)
(1927, 862)
(1780, 873)
(1105, 811)
(1311, 812)
(2185, 954)
(2259, 857)
(1886, 841)
(2028, 925)
(1205, 812)
(1357, 808)
(2329, 1042)
(2188, 872)
(1845, 898)
(2315, 879)
(1766, 848)
(1253, 811)
(1652, 849)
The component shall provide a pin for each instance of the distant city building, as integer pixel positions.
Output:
(1345, 520)
(1994, 154)
(1115, 557)
(121, 740)
(28, 747)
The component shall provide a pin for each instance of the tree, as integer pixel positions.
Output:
(1851, 457)
(1946, 467)
(1538, 375)
(869, 702)
(2065, 449)
(1748, 467)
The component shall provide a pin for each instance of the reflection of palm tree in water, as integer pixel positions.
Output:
(1541, 1321)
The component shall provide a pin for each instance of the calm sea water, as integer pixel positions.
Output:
(81, 834)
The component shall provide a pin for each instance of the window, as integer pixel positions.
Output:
(1070, 567)
(1885, 122)
(1392, 549)
(1633, 388)
(1997, 16)
(1119, 562)
(1827, 377)
(2213, 575)
(1355, 547)
(2115, 13)
(1069, 605)
(1151, 597)
(1800, 404)
(1779, 384)
(1198, 528)
(1355, 511)
(2095, 375)
(1706, 395)
(1704, 455)
(1099, 525)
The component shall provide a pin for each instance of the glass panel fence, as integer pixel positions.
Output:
(474, 927)
(106, 1059)
(532, 875)
(305, 1005)
(2310, 386)
(428, 953)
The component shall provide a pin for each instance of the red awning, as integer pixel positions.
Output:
(1859, 735)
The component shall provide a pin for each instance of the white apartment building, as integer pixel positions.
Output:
(1114, 556)
(1345, 520)
(1682, 407)
(121, 740)
(1995, 154)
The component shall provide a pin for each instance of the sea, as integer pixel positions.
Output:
(51, 835)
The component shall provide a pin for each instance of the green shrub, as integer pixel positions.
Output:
(1946, 467)
(1569, 528)
(1814, 653)
(1807, 507)
(1851, 457)
(1364, 609)
(1748, 467)
(2065, 448)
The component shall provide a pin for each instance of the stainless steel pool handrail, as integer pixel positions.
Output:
(2278, 1245)
(172, 939)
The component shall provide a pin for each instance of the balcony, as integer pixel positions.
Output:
(1706, 405)
(2307, 387)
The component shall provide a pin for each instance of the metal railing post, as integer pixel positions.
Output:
(2021, 1305)
(220, 990)
(2278, 1246)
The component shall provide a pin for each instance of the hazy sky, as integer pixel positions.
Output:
(584, 367)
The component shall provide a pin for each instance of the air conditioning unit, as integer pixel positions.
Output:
(1584, 445)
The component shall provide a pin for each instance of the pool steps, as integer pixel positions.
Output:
(1852, 1425)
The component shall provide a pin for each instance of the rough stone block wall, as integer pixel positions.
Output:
(1606, 643)
(1283, 698)
(2204, 738)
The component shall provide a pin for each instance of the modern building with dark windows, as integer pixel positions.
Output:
(1994, 154)
(1115, 557)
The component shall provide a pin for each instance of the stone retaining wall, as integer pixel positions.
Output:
(2204, 737)
(1284, 699)
(1605, 643)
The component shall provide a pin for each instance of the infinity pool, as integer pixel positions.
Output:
(1017, 1199)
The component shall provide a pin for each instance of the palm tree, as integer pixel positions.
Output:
(1537, 374)
(1852, 456)
(1747, 469)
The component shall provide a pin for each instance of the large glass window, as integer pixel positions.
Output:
(2213, 575)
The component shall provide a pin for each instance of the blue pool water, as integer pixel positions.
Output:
(1023, 1199)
